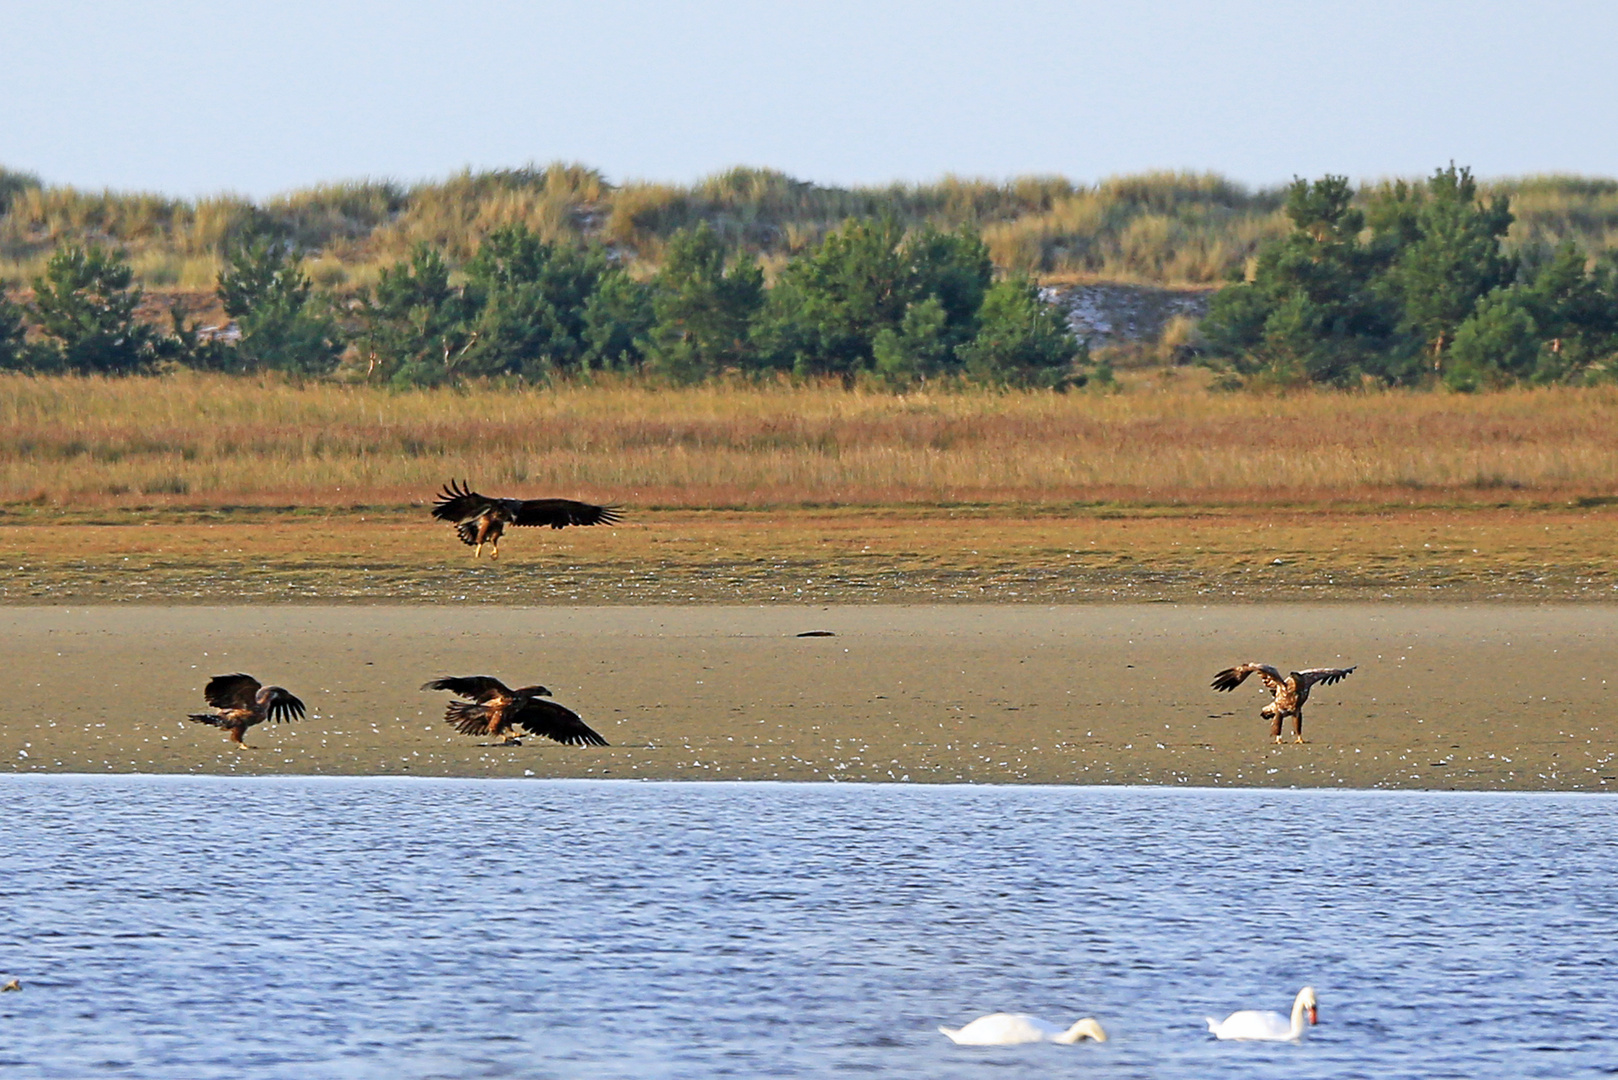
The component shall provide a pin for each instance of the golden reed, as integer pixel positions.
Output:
(192, 439)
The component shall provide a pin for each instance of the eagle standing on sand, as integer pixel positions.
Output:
(1290, 693)
(243, 702)
(495, 709)
(480, 520)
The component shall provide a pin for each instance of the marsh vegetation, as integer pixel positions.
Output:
(192, 438)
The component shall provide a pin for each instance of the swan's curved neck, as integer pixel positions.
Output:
(1080, 1030)
(1300, 1006)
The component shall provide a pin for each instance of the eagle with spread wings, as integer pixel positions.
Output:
(480, 520)
(243, 701)
(493, 709)
(1289, 693)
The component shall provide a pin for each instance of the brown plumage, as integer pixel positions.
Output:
(1289, 693)
(495, 709)
(480, 520)
(243, 702)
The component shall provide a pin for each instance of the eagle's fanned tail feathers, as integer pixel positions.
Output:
(467, 718)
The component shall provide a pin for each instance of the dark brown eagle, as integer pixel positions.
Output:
(1290, 692)
(495, 709)
(243, 702)
(480, 520)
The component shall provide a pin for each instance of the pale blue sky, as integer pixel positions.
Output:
(201, 96)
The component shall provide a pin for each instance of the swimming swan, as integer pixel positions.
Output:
(1011, 1029)
(1269, 1026)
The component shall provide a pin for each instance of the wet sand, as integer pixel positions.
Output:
(1475, 697)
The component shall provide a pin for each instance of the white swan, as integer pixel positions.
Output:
(1011, 1029)
(1269, 1026)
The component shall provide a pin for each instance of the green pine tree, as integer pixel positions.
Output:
(285, 325)
(530, 296)
(1452, 262)
(1022, 341)
(1312, 311)
(15, 353)
(414, 325)
(703, 309)
(85, 302)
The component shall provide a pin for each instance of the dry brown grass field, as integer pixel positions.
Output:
(216, 489)
(201, 441)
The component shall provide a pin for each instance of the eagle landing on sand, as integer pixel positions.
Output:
(494, 709)
(1290, 693)
(242, 702)
(480, 520)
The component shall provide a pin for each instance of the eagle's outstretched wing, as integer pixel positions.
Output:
(231, 691)
(281, 706)
(556, 722)
(1323, 675)
(1231, 678)
(457, 502)
(559, 513)
(479, 688)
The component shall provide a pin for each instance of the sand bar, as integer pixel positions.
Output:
(1484, 697)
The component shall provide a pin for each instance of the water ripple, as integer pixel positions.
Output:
(265, 928)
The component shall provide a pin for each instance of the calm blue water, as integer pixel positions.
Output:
(189, 927)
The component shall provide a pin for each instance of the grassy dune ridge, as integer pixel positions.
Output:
(191, 439)
(1160, 227)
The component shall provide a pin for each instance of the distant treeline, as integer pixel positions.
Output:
(1411, 283)
(538, 273)
(869, 304)
(1172, 228)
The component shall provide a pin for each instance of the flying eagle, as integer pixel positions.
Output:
(480, 520)
(243, 702)
(1290, 692)
(495, 709)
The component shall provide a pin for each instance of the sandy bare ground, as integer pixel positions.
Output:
(1488, 697)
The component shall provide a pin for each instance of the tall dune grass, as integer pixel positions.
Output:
(1164, 227)
(208, 440)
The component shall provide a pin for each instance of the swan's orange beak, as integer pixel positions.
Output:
(1314, 1014)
